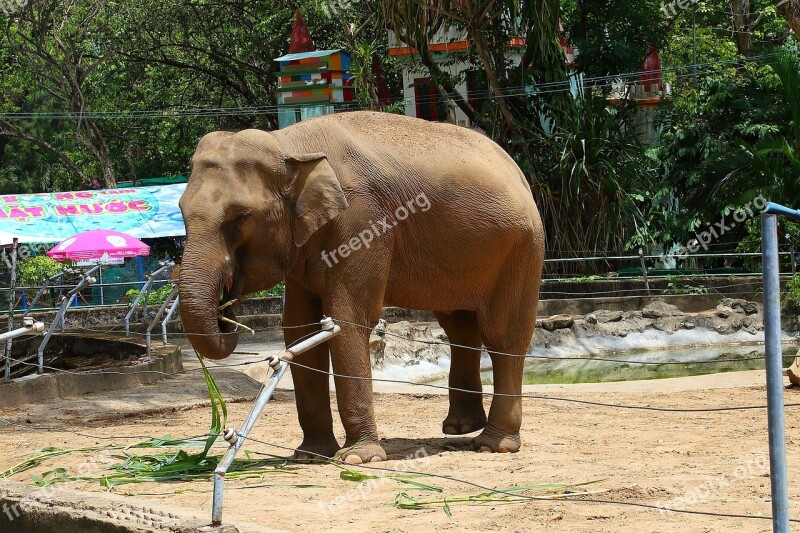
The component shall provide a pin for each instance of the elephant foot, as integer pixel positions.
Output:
(463, 423)
(492, 444)
(365, 452)
(318, 450)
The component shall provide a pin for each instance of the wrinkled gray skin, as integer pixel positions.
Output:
(263, 207)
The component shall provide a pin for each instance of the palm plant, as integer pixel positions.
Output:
(592, 194)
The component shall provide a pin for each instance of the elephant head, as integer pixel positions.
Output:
(248, 207)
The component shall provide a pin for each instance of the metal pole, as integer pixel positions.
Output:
(12, 300)
(774, 364)
(279, 365)
(158, 316)
(143, 292)
(100, 275)
(85, 280)
(168, 318)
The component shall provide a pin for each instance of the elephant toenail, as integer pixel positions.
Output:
(375, 459)
(465, 428)
(353, 460)
(485, 449)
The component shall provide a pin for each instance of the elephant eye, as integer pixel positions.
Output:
(241, 217)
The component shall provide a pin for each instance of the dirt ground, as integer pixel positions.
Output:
(712, 462)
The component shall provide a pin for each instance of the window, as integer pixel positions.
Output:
(477, 89)
(428, 101)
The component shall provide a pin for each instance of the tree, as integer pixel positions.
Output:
(64, 44)
(790, 10)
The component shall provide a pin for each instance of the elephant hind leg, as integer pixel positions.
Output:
(466, 412)
(507, 326)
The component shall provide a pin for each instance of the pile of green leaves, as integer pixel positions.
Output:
(175, 464)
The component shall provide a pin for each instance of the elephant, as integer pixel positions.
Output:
(355, 211)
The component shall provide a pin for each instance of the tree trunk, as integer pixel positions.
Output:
(790, 10)
(742, 26)
(90, 136)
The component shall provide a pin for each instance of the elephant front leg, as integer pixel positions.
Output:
(350, 355)
(311, 381)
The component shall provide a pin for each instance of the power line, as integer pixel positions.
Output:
(518, 90)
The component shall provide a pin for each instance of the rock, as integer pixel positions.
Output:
(688, 325)
(557, 322)
(669, 324)
(376, 348)
(603, 316)
(734, 303)
(380, 328)
(723, 311)
(591, 318)
(750, 308)
(404, 343)
(659, 309)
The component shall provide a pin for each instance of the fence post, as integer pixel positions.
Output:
(12, 300)
(644, 270)
(774, 364)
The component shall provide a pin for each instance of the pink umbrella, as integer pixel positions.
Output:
(98, 244)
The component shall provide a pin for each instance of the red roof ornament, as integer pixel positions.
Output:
(652, 70)
(301, 39)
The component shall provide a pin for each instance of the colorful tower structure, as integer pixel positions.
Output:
(309, 83)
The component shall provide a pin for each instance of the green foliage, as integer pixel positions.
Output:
(613, 36)
(676, 286)
(791, 296)
(592, 176)
(34, 271)
(155, 297)
(277, 290)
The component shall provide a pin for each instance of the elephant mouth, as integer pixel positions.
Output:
(228, 304)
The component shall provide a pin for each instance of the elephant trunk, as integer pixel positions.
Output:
(201, 283)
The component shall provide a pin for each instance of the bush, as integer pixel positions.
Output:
(155, 297)
(791, 298)
(34, 271)
(277, 290)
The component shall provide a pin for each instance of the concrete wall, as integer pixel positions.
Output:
(573, 298)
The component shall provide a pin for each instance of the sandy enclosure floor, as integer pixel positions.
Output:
(709, 461)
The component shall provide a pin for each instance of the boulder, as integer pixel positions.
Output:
(723, 311)
(604, 316)
(404, 343)
(659, 309)
(558, 322)
(670, 324)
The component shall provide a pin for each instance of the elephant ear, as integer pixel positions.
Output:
(316, 193)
